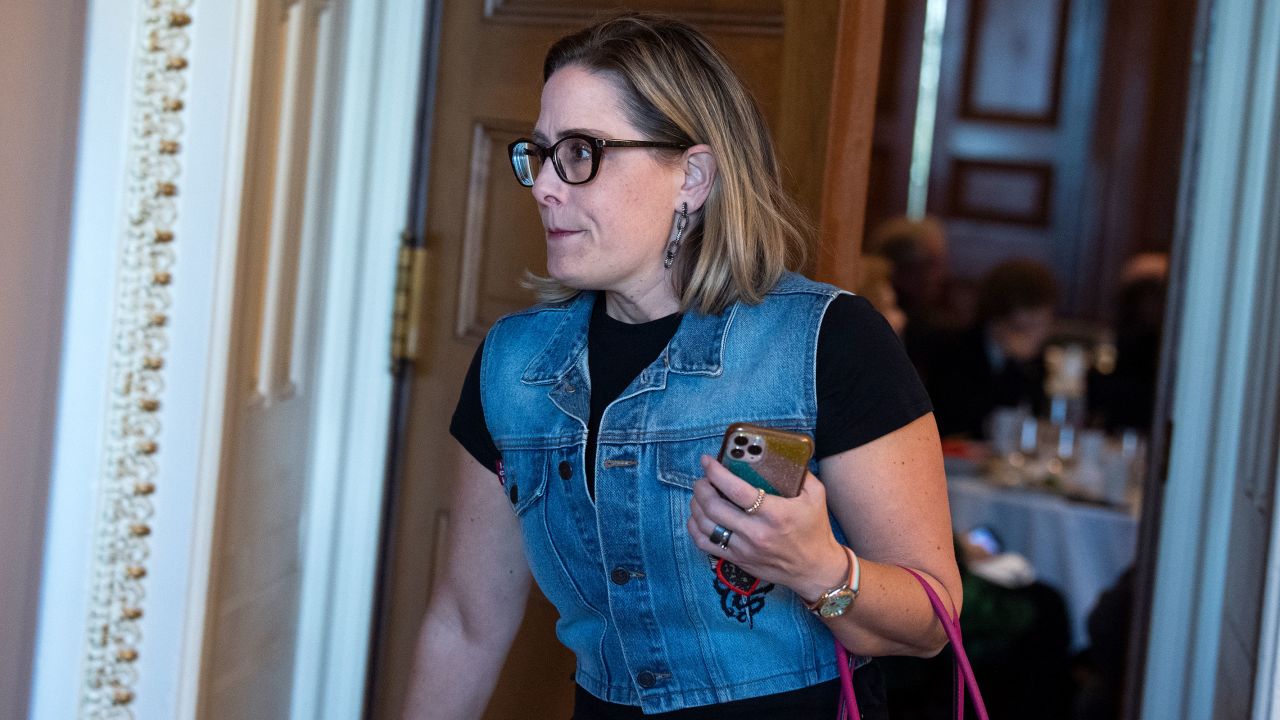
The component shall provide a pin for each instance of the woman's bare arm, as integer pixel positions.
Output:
(476, 606)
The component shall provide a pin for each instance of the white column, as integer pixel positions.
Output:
(40, 83)
(1216, 511)
(205, 169)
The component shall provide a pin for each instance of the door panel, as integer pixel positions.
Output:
(1015, 112)
(483, 231)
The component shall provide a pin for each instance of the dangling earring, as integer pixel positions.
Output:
(675, 244)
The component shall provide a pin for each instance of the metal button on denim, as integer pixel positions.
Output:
(619, 576)
(566, 470)
(646, 679)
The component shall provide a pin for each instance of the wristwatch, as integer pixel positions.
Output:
(834, 602)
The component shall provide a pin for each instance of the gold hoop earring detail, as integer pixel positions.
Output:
(675, 244)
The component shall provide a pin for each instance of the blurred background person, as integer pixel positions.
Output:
(917, 252)
(875, 283)
(934, 303)
(1125, 397)
(998, 360)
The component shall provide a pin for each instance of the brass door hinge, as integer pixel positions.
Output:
(411, 274)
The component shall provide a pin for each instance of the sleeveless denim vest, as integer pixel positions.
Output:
(640, 606)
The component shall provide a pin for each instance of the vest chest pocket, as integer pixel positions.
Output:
(680, 463)
(526, 477)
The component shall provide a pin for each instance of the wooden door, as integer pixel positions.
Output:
(482, 231)
(1016, 100)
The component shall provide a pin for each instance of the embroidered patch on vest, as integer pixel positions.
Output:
(741, 593)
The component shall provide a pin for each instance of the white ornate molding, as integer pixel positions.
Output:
(138, 352)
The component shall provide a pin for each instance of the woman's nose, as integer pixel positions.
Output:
(548, 188)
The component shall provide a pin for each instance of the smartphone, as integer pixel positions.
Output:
(985, 538)
(772, 460)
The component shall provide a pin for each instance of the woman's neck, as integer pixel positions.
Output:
(658, 302)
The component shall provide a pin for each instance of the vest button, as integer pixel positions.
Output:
(566, 470)
(646, 679)
(620, 576)
(515, 494)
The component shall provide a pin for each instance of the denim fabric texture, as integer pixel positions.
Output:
(639, 604)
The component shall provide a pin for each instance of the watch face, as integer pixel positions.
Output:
(836, 603)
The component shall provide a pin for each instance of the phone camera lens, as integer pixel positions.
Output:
(755, 449)
(737, 453)
(739, 440)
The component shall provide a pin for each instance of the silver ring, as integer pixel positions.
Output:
(720, 536)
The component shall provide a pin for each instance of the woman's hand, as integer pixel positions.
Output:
(786, 541)
(890, 498)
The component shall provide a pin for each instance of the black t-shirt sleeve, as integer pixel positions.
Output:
(867, 387)
(468, 426)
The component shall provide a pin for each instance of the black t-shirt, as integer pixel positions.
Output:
(867, 388)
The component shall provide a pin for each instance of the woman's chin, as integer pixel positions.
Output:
(568, 277)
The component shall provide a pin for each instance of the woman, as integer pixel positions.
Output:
(669, 314)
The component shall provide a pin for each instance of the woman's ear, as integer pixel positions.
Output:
(700, 170)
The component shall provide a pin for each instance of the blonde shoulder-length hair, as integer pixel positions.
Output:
(678, 88)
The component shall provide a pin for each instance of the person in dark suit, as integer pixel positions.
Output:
(1126, 397)
(998, 360)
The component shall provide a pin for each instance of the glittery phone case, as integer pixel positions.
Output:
(770, 459)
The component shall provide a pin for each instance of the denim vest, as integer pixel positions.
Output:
(640, 606)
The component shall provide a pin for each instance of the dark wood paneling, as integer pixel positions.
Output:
(884, 198)
(897, 93)
(848, 141)
(1001, 192)
(1137, 149)
(749, 16)
(894, 43)
(1010, 170)
(502, 236)
(1013, 60)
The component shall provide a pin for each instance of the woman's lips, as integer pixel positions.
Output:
(560, 234)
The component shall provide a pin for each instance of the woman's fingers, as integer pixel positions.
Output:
(777, 541)
(713, 502)
(734, 489)
(701, 530)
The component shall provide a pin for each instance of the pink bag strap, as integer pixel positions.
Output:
(963, 670)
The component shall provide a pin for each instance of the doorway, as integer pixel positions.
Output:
(481, 232)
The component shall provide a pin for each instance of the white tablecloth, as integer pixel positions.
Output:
(1078, 549)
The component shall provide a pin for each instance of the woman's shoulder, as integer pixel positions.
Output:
(793, 283)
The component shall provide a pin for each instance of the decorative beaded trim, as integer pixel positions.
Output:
(140, 343)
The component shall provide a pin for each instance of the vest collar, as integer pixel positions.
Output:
(696, 349)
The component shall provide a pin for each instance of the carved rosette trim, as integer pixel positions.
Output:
(140, 343)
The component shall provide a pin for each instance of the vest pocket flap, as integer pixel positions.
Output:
(525, 472)
(680, 464)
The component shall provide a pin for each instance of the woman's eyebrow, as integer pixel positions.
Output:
(542, 139)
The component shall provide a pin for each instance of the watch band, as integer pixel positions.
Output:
(851, 584)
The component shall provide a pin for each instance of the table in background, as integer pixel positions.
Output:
(1078, 548)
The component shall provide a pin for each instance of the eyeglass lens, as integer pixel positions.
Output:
(573, 158)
